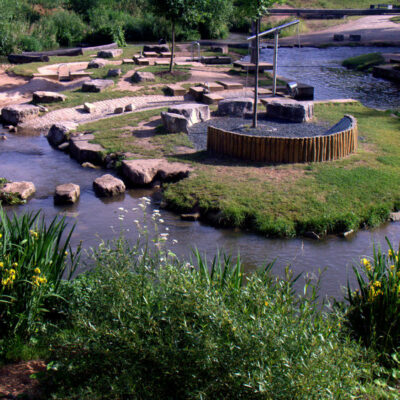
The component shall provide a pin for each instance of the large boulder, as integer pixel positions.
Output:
(96, 85)
(60, 133)
(143, 172)
(48, 97)
(158, 48)
(290, 110)
(174, 123)
(193, 112)
(67, 193)
(140, 76)
(22, 189)
(235, 107)
(108, 186)
(82, 150)
(113, 73)
(19, 113)
(109, 53)
(97, 63)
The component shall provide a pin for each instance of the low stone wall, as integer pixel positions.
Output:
(339, 142)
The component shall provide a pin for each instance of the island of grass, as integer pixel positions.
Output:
(364, 62)
(278, 200)
(8, 198)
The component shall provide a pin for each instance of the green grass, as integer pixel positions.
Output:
(162, 75)
(288, 200)
(8, 198)
(115, 135)
(364, 62)
(396, 20)
(101, 73)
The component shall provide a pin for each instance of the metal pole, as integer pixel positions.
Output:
(275, 60)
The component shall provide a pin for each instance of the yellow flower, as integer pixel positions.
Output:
(390, 253)
(378, 292)
(66, 253)
(36, 270)
(392, 267)
(377, 284)
(266, 304)
(366, 263)
(1, 264)
(1, 235)
(15, 264)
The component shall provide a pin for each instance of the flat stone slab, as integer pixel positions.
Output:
(140, 76)
(144, 172)
(97, 63)
(231, 85)
(161, 62)
(97, 85)
(59, 133)
(290, 110)
(113, 73)
(67, 193)
(141, 61)
(22, 189)
(193, 112)
(235, 107)
(19, 113)
(213, 87)
(218, 60)
(48, 97)
(174, 123)
(175, 90)
(212, 98)
(156, 48)
(151, 54)
(82, 150)
(127, 61)
(197, 92)
(112, 53)
(108, 186)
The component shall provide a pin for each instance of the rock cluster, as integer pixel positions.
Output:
(22, 189)
(19, 113)
(180, 118)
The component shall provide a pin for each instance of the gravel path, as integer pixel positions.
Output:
(266, 127)
(104, 109)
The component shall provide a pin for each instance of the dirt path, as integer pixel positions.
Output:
(373, 29)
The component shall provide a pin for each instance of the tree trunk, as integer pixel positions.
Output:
(253, 45)
(171, 64)
(256, 73)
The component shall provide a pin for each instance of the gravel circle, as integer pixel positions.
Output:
(266, 127)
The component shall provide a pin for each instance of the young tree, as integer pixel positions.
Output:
(179, 12)
(256, 9)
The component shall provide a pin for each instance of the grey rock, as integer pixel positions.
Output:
(394, 216)
(355, 38)
(109, 53)
(67, 193)
(130, 107)
(190, 217)
(63, 147)
(290, 110)
(143, 172)
(235, 107)
(219, 60)
(82, 150)
(97, 63)
(89, 108)
(158, 48)
(96, 85)
(193, 112)
(12, 129)
(60, 133)
(3, 137)
(174, 123)
(89, 165)
(112, 73)
(22, 189)
(47, 97)
(118, 110)
(19, 113)
(25, 58)
(108, 186)
(337, 37)
(140, 76)
(43, 109)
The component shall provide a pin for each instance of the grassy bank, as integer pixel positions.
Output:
(364, 62)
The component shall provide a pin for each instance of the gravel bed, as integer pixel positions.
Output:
(266, 127)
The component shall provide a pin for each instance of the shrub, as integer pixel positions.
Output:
(32, 263)
(374, 310)
(144, 325)
(70, 28)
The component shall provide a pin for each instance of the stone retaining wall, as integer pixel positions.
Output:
(339, 142)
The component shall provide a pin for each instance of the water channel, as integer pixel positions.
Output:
(30, 158)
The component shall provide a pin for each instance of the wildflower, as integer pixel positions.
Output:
(33, 233)
(1, 264)
(390, 253)
(366, 263)
(1, 235)
(36, 270)
(392, 267)
(14, 264)
(266, 304)
(377, 284)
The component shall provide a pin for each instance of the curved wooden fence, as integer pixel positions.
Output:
(338, 142)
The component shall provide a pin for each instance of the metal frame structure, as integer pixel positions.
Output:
(275, 31)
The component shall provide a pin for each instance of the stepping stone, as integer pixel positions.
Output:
(220, 49)
(150, 54)
(119, 110)
(212, 98)
(22, 189)
(141, 61)
(82, 151)
(108, 186)
(235, 107)
(165, 55)
(231, 85)
(161, 62)
(213, 87)
(59, 133)
(130, 107)
(174, 123)
(113, 73)
(194, 112)
(140, 76)
(97, 85)
(67, 194)
(47, 97)
(89, 108)
(196, 92)
(127, 61)
(97, 63)
(175, 90)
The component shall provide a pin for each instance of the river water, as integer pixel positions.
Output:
(31, 158)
